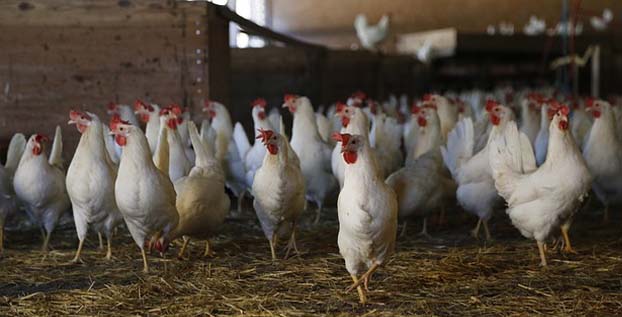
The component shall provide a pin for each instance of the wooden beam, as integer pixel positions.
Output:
(218, 56)
(253, 28)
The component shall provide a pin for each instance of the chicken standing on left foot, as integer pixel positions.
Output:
(279, 190)
(367, 209)
(543, 199)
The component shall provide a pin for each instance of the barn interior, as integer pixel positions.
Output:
(57, 56)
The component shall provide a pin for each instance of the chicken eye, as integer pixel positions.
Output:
(121, 129)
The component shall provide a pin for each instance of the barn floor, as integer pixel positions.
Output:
(452, 275)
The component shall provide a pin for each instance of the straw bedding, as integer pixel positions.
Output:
(453, 274)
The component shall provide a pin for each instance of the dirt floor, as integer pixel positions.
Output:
(453, 274)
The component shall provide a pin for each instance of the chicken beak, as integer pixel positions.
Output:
(71, 122)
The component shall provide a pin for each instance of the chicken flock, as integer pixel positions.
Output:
(535, 152)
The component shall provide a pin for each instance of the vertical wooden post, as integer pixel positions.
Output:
(218, 57)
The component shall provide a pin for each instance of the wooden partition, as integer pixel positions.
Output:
(56, 55)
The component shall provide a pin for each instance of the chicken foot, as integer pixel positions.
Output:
(180, 255)
(403, 231)
(364, 277)
(292, 242)
(77, 258)
(567, 246)
(486, 231)
(46, 242)
(101, 240)
(424, 230)
(541, 249)
(273, 241)
(109, 243)
(318, 213)
(145, 264)
(475, 231)
(359, 289)
(208, 249)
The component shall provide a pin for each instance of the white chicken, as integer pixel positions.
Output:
(386, 143)
(421, 186)
(124, 112)
(179, 163)
(367, 210)
(476, 191)
(149, 114)
(530, 117)
(279, 191)
(542, 139)
(90, 182)
(202, 203)
(314, 154)
(144, 193)
(39, 183)
(8, 202)
(252, 156)
(371, 35)
(603, 154)
(447, 114)
(354, 121)
(581, 124)
(544, 199)
(324, 127)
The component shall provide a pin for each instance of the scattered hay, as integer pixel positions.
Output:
(459, 276)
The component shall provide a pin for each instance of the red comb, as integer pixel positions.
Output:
(111, 106)
(341, 137)
(589, 102)
(115, 121)
(264, 135)
(491, 104)
(259, 102)
(564, 110)
(415, 108)
(165, 111)
(41, 138)
(359, 95)
(176, 109)
(340, 106)
(289, 97)
(427, 97)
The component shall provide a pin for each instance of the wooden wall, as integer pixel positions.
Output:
(57, 55)
(324, 76)
(331, 22)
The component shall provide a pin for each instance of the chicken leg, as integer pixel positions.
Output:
(403, 232)
(359, 289)
(240, 201)
(292, 242)
(145, 264)
(475, 231)
(424, 229)
(46, 242)
(109, 243)
(567, 246)
(180, 255)
(486, 231)
(541, 246)
(208, 249)
(77, 259)
(364, 277)
(101, 240)
(273, 241)
(318, 213)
